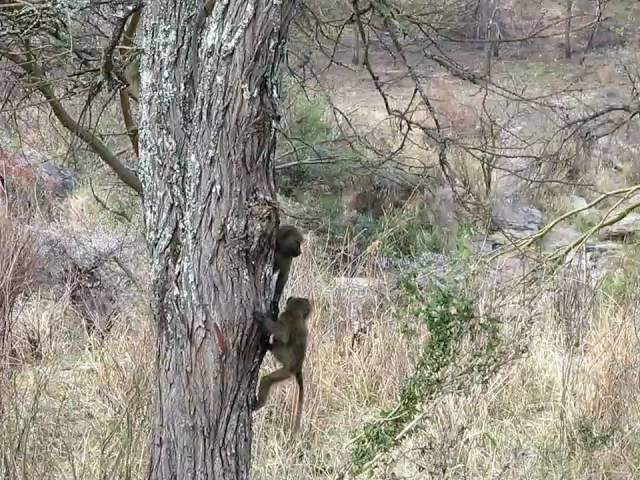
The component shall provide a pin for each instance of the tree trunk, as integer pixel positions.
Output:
(567, 32)
(355, 57)
(207, 142)
(484, 33)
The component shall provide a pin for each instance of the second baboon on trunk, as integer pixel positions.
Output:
(288, 246)
(289, 347)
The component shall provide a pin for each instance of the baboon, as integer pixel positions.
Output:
(289, 347)
(288, 246)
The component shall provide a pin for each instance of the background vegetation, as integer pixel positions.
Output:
(455, 335)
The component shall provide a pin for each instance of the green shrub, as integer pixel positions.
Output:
(447, 314)
(307, 134)
(614, 284)
(591, 436)
(402, 234)
(584, 223)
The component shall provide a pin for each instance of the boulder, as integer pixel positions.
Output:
(626, 229)
(517, 216)
(58, 179)
(561, 236)
(573, 201)
(20, 171)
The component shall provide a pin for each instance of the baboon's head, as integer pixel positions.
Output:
(299, 306)
(289, 241)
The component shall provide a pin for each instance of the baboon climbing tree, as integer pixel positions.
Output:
(208, 102)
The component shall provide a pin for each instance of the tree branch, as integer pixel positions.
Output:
(125, 104)
(42, 84)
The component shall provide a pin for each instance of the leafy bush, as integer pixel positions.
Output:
(584, 223)
(399, 234)
(592, 436)
(309, 142)
(447, 314)
(407, 234)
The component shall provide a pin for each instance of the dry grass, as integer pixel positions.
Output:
(345, 384)
(565, 410)
(18, 257)
(81, 411)
(568, 409)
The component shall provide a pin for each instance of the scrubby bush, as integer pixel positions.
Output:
(310, 149)
(449, 360)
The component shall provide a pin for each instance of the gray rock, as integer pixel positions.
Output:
(513, 215)
(17, 169)
(60, 179)
(607, 248)
(507, 236)
(560, 236)
(574, 202)
(626, 229)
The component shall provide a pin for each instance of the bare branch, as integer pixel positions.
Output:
(39, 79)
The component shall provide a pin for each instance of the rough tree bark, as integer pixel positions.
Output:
(207, 144)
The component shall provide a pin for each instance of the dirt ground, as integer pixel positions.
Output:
(539, 63)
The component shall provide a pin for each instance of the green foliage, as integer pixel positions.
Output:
(591, 436)
(305, 119)
(618, 33)
(621, 284)
(584, 223)
(447, 314)
(307, 135)
(614, 284)
(399, 234)
(402, 234)
(462, 243)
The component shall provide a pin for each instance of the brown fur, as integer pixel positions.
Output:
(288, 246)
(289, 347)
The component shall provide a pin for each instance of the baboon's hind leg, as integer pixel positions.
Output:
(266, 383)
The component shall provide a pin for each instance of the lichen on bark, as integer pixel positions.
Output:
(207, 173)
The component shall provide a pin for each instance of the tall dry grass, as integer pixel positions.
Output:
(18, 259)
(566, 409)
(81, 411)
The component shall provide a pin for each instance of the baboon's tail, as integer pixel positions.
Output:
(296, 425)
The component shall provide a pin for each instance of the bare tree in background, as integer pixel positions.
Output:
(73, 55)
(567, 32)
(484, 31)
(208, 106)
(67, 54)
